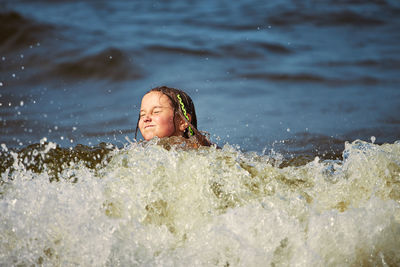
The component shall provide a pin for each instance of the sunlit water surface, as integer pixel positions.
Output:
(147, 205)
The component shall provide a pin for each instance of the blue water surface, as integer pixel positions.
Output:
(260, 73)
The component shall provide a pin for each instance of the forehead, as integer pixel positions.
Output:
(155, 98)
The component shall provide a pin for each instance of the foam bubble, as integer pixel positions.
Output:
(152, 206)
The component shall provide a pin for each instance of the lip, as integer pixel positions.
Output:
(147, 126)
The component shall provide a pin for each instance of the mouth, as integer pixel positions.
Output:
(148, 126)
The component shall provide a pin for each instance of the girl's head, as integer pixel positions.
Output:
(166, 112)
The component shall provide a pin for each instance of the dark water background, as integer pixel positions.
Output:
(284, 75)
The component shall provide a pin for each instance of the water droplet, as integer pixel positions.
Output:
(4, 147)
(21, 103)
(288, 129)
(373, 139)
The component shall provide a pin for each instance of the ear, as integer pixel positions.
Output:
(183, 123)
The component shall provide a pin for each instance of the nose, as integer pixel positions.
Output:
(146, 118)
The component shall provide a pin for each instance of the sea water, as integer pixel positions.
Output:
(144, 205)
(287, 89)
(309, 73)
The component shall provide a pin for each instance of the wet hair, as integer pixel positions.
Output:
(172, 94)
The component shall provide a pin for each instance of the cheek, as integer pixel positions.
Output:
(140, 124)
(167, 123)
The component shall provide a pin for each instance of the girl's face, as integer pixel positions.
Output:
(157, 117)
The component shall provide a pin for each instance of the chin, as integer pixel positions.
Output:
(148, 137)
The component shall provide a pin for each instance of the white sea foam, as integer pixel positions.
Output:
(154, 207)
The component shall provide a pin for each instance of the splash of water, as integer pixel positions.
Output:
(146, 205)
